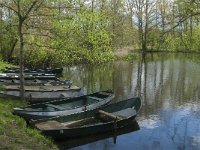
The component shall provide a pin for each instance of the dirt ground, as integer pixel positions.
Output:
(122, 51)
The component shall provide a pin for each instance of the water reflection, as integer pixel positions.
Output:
(169, 85)
(111, 138)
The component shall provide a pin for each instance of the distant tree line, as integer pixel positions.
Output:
(56, 32)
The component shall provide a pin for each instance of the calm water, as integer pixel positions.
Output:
(169, 85)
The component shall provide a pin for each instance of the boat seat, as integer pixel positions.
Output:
(106, 115)
(54, 106)
(126, 112)
(80, 122)
(51, 124)
(95, 98)
(64, 95)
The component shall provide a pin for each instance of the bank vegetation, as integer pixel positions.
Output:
(60, 32)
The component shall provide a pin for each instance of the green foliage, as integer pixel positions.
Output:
(192, 41)
(70, 32)
(4, 64)
(84, 38)
(8, 35)
(36, 57)
(184, 43)
(2, 88)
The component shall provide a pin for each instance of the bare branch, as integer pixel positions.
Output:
(29, 10)
(6, 6)
(181, 21)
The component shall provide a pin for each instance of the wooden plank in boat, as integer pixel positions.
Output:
(109, 115)
(51, 124)
(78, 122)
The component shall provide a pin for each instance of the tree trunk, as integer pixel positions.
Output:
(21, 51)
(21, 60)
(144, 44)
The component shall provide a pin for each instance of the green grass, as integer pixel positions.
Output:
(4, 64)
(14, 133)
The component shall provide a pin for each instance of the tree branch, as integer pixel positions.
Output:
(180, 21)
(29, 10)
(3, 5)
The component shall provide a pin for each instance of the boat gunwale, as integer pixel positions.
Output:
(65, 109)
(92, 125)
(88, 126)
(22, 109)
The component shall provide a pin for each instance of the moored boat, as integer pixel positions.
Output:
(78, 141)
(39, 88)
(108, 118)
(43, 96)
(8, 76)
(37, 82)
(65, 107)
(46, 71)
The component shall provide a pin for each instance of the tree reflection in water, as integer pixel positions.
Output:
(169, 85)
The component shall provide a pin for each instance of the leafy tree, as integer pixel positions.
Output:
(84, 38)
(22, 9)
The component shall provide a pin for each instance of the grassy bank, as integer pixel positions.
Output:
(13, 131)
(14, 134)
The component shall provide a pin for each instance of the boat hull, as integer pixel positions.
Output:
(10, 76)
(39, 97)
(36, 71)
(65, 131)
(85, 131)
(74, 105)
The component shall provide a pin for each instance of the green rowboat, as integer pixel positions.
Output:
(43, 96)
(108, 118)
(65, 107)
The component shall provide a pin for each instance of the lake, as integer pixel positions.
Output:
(169, 85)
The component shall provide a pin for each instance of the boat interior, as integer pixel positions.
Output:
(99, 118)
(62, 105)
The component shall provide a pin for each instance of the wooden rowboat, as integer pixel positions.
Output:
(46, 71)
(38, 88)
(108, 118)
(8, 76)
(65, 107)
(31, 82)
(78, 141)
(43, 96)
